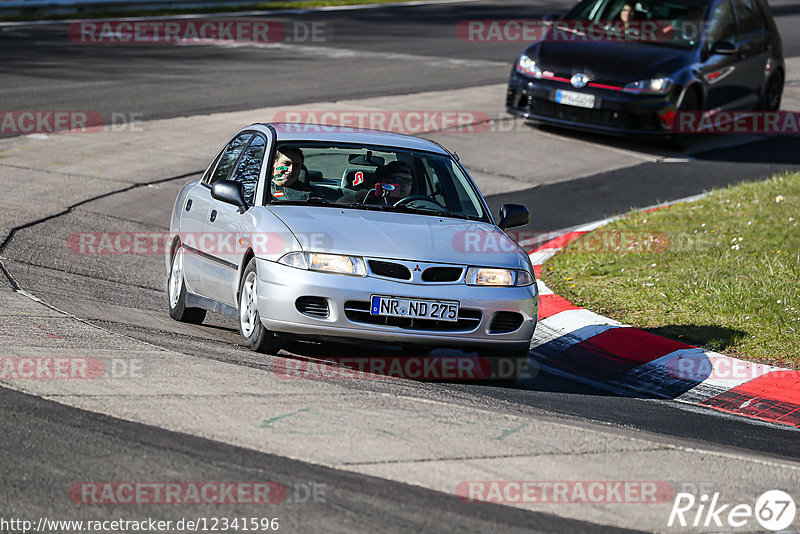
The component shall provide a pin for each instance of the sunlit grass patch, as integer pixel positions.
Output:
(722, 273)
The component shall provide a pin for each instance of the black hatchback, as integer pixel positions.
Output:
(628, 66)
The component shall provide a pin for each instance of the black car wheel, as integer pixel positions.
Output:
(771, 101)
(682, 141)
(176, 293)
(254, 335)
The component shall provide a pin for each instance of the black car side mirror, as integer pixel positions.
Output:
(724, 47)
(512, 215)
(230, 192)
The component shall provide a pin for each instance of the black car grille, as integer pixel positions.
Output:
(390, 270)
(600, 117)
(313, 306)
(610, 118)
(505, 322)
(358, 312)
(441, 274)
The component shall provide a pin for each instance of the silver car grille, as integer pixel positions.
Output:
(417, 272)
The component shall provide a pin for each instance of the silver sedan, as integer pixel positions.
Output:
(323, 232)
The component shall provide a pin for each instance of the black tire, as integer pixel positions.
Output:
(507, 365)
(773, 91)
(176, 293)
(682, 141)
(255, 335)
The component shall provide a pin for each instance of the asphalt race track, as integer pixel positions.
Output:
(385, 455)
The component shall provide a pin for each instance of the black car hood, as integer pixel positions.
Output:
(608, 61)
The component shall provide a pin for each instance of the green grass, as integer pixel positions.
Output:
(90, 11)
(722, 273)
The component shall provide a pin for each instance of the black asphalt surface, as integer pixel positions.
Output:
(134, 286)
(41, 68)
(566, 204)
(317, 499)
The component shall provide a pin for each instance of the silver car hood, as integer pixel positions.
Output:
(403, 236)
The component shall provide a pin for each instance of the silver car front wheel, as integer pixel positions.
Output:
(254, 334)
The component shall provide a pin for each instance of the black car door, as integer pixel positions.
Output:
(725, 80)
(754, 49)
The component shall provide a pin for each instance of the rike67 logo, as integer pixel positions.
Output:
(774, 510)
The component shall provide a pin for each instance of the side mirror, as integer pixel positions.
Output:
(512, 215)
(229, 192)
(724, 47)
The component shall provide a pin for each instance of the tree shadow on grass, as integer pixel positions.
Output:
(711, 337)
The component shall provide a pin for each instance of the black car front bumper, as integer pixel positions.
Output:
(615, 111)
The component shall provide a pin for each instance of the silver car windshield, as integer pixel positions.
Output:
(372, 178)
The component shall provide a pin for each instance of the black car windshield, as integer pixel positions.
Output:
(675, 23)
(372, 178)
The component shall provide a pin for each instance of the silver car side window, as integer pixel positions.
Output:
(249, 166)
(230, 156)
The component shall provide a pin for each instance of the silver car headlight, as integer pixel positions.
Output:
(326, 263)
(486, 276)
(528, 66)
(657, 86)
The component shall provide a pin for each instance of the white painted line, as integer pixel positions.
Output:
(570, 327)
(542, 288)
(538, 258)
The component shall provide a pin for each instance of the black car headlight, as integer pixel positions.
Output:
(653, 86)
(528, 66)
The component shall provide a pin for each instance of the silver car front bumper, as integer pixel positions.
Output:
(280, 286)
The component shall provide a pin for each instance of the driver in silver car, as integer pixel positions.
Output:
(398, 174)
(285, 171)
(393, 181)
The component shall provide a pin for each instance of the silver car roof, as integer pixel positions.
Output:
(287, 131)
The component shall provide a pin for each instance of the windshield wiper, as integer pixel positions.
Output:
(317, 201)
(375, 207)
(434, 211)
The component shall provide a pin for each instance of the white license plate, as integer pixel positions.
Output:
(572, 98)
(440, 310)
